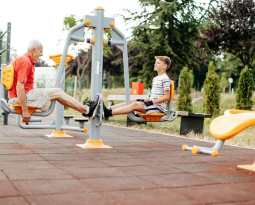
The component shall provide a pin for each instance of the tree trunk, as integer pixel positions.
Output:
(88, 80)
(79, 99)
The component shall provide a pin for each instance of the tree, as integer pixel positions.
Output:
(245, 90)
(184, 99)
(191, 75)
(41, 63)
(80, 65)
(233, 31)
(211, 91)
(223, 82)
(231, 65)
(168, 28)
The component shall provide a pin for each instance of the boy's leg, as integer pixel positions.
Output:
(124, 109)
(129, 108)
(117, 106)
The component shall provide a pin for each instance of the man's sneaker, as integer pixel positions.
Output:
(93, 105)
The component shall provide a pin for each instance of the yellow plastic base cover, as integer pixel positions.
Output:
(94, 144)
(152, 117)
(59, 134)
(248, 167)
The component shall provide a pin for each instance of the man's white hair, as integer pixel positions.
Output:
(34, 44)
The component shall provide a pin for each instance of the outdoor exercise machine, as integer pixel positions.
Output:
(7, 49)
(98, 23)
(58, 124)
(60, 121)
(225, 127)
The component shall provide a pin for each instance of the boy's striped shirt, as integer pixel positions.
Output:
(159, 85)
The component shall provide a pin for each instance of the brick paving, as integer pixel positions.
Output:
(142, 168)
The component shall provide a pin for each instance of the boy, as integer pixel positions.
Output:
(160, 94)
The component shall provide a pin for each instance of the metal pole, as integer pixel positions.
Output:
(96, 72)
(1, 46)
(75, 85)
(8, 50)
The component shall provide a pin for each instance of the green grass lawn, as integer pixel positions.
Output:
(245, 138)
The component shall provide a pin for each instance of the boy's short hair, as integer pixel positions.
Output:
(166, 59)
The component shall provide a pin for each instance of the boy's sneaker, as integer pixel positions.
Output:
(107, 112)
(93, 105)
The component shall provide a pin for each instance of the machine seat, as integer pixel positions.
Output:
(17, 107)
(152, 117)
(231, 123)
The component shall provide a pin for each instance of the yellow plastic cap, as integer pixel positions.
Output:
(93, 41)
(215, 153)
(194, 149)
(87, 21)
(91, 27)
(184, 147)
(112, 24)
(99, 8)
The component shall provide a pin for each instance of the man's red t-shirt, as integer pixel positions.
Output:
(23, 72)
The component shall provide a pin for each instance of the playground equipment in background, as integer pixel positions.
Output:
(225, 127)
(3, 92)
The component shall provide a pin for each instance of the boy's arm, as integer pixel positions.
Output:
(159, 100)
(163, 98)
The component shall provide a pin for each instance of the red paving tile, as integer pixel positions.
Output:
(71, 199)
(140, 169)
(7, 189)
(179, 180)
(118, 183)
(96, 172)
(149, 197)
(42, 187)
(218, 193)
(33, 174)
(13, 201)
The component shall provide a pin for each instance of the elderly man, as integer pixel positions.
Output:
(23, 91)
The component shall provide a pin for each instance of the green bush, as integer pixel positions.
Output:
(211, 103)
(223, 82)
(184, 100)
(245, 90)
